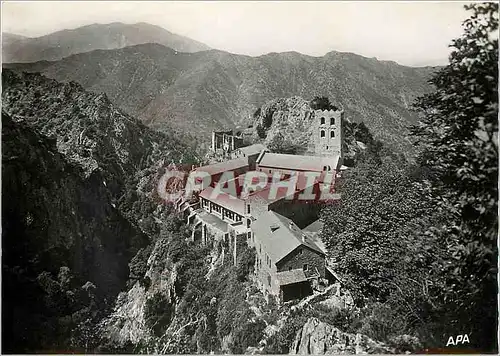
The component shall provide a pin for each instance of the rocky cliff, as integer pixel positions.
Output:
(284, 125)
(319, 338)
(77, 205)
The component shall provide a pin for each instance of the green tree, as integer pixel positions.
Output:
(459, 138)
(322, 103)
(377, 237)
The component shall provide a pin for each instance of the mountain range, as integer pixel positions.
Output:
(64, 43)
(173, 89)
(202, 91)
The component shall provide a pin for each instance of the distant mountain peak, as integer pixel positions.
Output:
(64, 43)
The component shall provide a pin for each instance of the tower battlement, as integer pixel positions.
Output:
(328, 132)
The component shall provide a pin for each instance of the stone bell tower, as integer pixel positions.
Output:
(328, 132)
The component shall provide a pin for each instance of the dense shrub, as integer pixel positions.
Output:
(261, 131)
(245, 263)
(249, 334)
(138, 264)
(158, 313)
(321, 103)
(280, 342)
(268, 119)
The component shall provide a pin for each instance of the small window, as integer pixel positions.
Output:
(289, 268)
(269, 280)
(322, 133)
(248, 209)
(325, 168)
(305, 267)
(332, 121)
(322, 121)
(299, 252)
(332, 134)
(249, 235)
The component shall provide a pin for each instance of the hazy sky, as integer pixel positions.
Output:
(410, 33)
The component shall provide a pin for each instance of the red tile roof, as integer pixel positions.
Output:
(297, 162)
(231, 165)
(225, 200)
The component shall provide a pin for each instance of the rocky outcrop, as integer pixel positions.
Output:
(88, 130)
(285, 119)
(285, 126)
(319, 338)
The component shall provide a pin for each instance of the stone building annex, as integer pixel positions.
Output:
(272, 202)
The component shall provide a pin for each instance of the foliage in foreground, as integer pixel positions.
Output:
(417, 244)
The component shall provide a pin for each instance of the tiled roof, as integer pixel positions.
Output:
(297, 162)
(225, 200)
(299, 234)
(252, 149)
(291, 277)
(313, 231)
(283, 240)
(221, 167)
(315, 226)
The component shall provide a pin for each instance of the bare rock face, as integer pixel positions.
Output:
(285, 125)
(285, 119)
(320, 338)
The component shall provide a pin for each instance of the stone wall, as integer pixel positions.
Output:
(301, 213)
(302, 256)
(263, 270)
(328, 122)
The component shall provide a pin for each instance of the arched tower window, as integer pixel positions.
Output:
(322, 134)
(332, 134)
(322, 121)
(332, 121)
